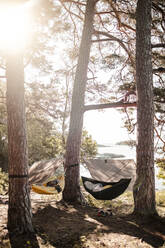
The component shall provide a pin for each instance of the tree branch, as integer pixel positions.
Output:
(109, 105)
(71, 1)
(117, 40)
(159, 136)
(158, 45)
(159, 70)
(100, 40)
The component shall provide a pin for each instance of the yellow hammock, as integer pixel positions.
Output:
(50, 187)
(44, 190)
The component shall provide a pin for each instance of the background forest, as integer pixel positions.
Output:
(50, 62)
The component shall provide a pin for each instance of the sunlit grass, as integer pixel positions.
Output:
(124, 204)
(3, 182)
(160, 198)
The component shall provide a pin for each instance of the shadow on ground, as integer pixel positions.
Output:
(67, 226)
(63, 227)
(23, 241)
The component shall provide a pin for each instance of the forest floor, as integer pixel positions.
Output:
(66, 226)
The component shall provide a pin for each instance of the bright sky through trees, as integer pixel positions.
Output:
(106, 126)
(14, 26)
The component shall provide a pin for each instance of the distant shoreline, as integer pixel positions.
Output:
(127, 143)
(120, 143)
(100, 145)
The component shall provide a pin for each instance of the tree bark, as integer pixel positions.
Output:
(19, 211)
(71, 191)
(144, 188)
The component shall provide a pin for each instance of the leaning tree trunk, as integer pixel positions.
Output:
(144, 188)
(71, 191)
(19, 211)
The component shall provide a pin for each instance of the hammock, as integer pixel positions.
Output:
(105, 190)
(50, 187)
(42, 171)
(43, 189)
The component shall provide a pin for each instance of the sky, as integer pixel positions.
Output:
(105, 127)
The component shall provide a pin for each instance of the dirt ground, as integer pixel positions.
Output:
(66, 226)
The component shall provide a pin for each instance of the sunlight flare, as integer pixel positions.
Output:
(14, 27)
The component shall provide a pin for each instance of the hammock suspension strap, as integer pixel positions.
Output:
(69, 167)
(17, 176)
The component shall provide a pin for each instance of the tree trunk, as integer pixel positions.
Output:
(144, 188)
(19, 211)
(71, 191)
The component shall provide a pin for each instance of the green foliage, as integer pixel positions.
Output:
(113, 60)
(161, 165)
(127, 87)
(43, 142)
(3, 151)
(44, 135)
(88, 146)
(3, 182)
(159, 94)
(3, 132)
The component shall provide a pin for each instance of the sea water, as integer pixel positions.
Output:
(112, 151)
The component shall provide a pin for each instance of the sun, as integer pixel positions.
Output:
(14, 27)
